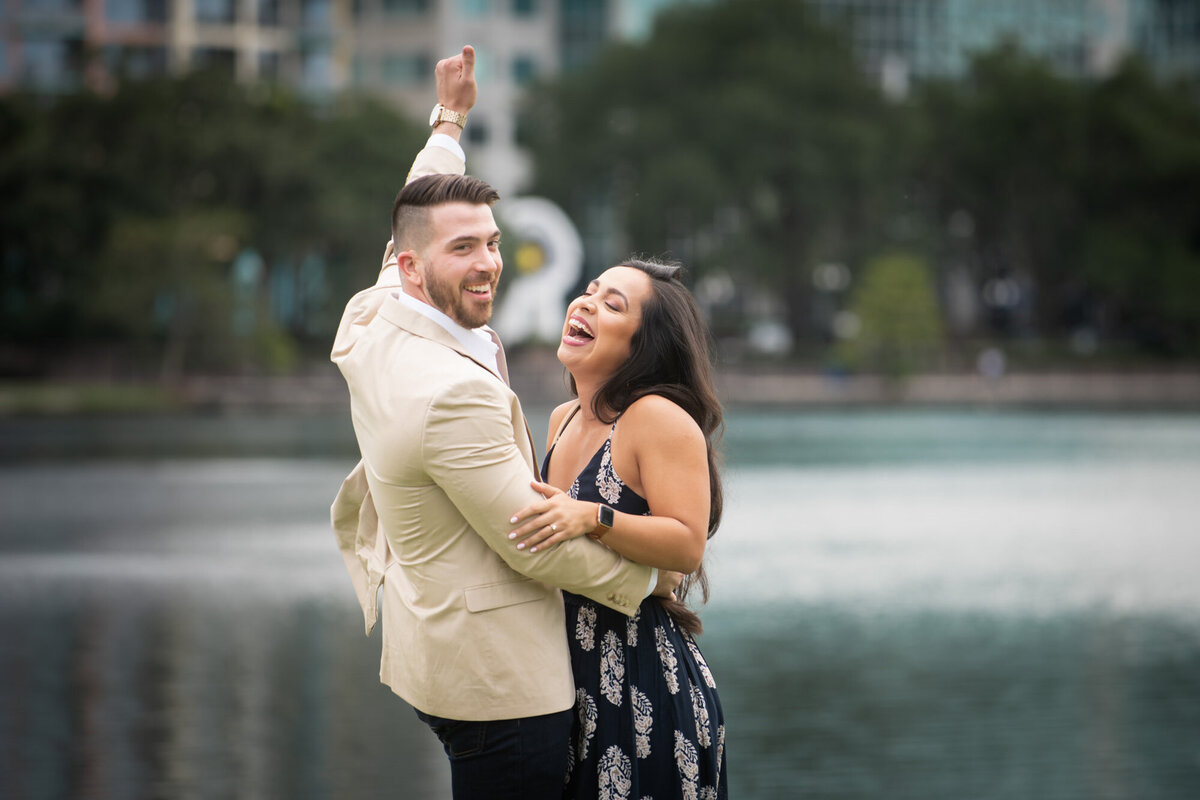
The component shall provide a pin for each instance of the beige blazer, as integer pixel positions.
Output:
(473, 629)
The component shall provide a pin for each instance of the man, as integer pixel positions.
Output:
(474, 633)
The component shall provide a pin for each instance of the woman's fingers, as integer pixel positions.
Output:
(529, 512)
(539, 539)
(544, 524)
(540, 533)
(545, 489)
(533, 525)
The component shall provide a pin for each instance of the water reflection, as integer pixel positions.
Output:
(836, 704)
(153, 694)
(905, 605)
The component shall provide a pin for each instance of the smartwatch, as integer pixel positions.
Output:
(604, 521)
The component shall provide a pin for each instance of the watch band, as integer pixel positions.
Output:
(443, 114)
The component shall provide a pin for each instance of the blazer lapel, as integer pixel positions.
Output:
(420, 325)
(502, 364)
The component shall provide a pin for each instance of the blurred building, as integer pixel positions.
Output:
(1167, 34)
(899, 40)
(389, 47)
(386, 47)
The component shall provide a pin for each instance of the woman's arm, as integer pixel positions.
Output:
(671, 472)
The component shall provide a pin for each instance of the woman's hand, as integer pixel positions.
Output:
(555, 519)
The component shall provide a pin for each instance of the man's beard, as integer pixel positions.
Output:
(449, 300)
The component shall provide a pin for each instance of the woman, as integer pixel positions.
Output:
(631, 463)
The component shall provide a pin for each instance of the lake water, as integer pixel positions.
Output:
(905, 604)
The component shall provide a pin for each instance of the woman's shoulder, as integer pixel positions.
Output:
(655, 405)
(560, 411)
(557, 417)
(656, 417)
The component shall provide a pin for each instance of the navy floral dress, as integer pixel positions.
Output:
(648, 721)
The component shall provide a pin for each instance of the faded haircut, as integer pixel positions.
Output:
(410, 212)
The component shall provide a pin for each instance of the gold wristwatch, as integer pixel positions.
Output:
(443, 114)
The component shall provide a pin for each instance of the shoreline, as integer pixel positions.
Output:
(539, 381)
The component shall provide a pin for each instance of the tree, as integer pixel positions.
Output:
(900, 327)
(122, 215)
(1086, 194)
(742, 136)
(1141, 249)
(1004, 149)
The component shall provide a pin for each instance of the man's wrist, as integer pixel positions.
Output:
(653, 581)
(448, 129)
(448, 119)
(444, 113)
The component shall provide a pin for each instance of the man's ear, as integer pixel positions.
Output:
(407, 260)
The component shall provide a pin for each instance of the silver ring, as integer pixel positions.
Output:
(554, 527)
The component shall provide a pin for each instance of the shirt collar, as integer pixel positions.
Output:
(478, 342)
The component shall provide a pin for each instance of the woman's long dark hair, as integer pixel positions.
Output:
(669, 356)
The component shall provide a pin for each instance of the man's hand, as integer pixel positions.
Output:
(455, 77)
(668, 582)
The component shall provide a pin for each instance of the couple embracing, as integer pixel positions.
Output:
(534, 620)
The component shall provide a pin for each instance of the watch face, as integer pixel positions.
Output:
(606, 516)
(433, 117)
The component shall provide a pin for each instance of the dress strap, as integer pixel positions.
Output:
(566, 422)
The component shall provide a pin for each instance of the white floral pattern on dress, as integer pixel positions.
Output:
(666, 654)
(631, 627)
(686, 761)
(720, 750)
(585, 627)
(615, 774)
(643, 720)
(612, 668)
(607, 481)
(700, 710)
(585, 708)
(700, 662)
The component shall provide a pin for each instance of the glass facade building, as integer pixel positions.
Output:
(898, 41)
(389, 47)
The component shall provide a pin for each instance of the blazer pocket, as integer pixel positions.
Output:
(497, 595)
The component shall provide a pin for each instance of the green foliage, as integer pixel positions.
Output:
(743, 137)
(169, 275)
(900, 325)
(121, 214)
(1141, 248)
(1087, 191)
(740, 137)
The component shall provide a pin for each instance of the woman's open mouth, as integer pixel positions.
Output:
(578, 332)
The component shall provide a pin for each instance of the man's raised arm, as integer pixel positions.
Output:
(456, 95)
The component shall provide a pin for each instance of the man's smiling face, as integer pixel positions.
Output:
(460, 265)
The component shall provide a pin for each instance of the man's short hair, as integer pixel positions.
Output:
(410, 212)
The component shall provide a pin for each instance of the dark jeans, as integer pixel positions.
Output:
(506, 759)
